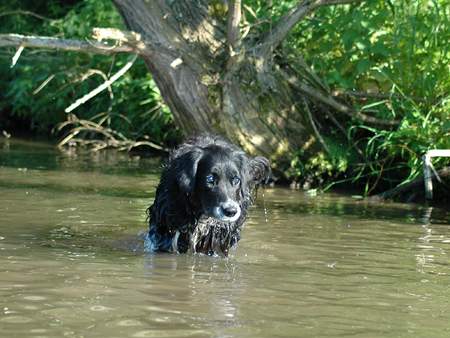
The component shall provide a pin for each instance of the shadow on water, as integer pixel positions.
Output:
(296, 202)
(42, 156)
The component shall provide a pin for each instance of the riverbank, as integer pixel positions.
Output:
(37, 148)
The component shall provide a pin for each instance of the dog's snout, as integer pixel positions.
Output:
(229, 210)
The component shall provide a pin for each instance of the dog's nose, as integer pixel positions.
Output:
(229, 210)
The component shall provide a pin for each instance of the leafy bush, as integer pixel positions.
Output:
(379, 47)
(43, 83)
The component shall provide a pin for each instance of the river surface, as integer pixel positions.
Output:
(329, 265)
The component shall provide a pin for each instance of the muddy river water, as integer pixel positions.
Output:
(329, 265)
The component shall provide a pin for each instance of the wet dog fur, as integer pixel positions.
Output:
(203, 196)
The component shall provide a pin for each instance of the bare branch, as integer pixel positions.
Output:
(17, 55)
(340, 2)
(330, 101)
(102, 87)
(289, 20)
(43, 84)
(369, 95)
(20, 12)
(107, 137)
(116, 34)
(315, 129)
(233, 35)
(16, 40)
(234, 18)
(362, 95)
(91, 72)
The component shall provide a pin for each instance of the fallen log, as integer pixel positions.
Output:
(413, 190)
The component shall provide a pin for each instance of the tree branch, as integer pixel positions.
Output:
(234, 18)
(102, 87)
(20, 12)
(290, 19)
(233, 35)
(95, 47)
(368, 95)
(314, 127)
(414, 186)
(330, 101)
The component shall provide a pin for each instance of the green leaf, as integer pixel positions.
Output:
(446, 126)
(361, 45)
(362, 66)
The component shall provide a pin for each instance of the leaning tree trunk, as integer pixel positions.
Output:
(213, 80)
(216, 79)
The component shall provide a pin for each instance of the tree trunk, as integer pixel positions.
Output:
(215, 79)
(214, 84)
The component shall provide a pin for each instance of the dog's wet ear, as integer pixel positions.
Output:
(260, 171)
(186, 169)
(242, 161)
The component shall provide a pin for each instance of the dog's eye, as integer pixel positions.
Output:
(236, 180)
(210, 179)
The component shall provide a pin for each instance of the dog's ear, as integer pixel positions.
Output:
(259, 168)
(186, 169)
(242, 162)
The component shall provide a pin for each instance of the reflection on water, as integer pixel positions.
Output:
(70, 263)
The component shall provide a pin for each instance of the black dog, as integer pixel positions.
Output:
(202, 199)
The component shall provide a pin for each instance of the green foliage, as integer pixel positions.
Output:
(322, 167)
(43, 83)
(401, 149)
(398, 48)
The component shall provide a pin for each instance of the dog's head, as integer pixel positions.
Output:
(218, 180)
